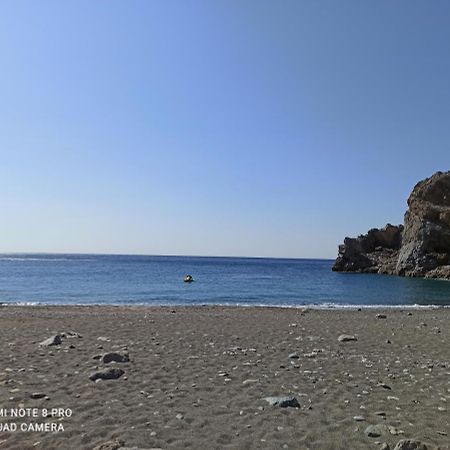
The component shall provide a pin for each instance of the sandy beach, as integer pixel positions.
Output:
(197, 377)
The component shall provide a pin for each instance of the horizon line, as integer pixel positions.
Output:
(164, 255)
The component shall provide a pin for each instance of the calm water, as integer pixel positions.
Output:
(84, 279)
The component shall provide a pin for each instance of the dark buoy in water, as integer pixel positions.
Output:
(188, 279)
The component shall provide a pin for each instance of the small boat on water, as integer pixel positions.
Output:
(188, 279)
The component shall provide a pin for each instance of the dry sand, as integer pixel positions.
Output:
(197, 377)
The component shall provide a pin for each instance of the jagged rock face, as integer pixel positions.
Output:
(419, 249)
(375, 252)
(426, 238)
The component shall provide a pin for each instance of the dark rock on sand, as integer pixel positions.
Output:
(53, 340)
(108, 374)
(283, 401)
(115, 357)
(420, 248)
(411, 444)
(347, 338)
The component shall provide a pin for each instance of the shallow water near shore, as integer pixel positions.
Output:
(158, 280)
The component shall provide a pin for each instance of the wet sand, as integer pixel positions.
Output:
(197, 377)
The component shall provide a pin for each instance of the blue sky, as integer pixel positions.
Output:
(249, 128)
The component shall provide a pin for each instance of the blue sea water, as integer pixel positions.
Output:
(158, 280)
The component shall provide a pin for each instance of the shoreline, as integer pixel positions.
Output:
(197, 376)
(321, 307)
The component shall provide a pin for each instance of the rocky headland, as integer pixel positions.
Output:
(419, 248)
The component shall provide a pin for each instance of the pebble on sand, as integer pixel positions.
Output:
(346, 338)
(283, 401)
(71, 335)
(412, 444)
(110, 445)
(376, 430)
(115, 357)
(37, 395)
(53, 340)
(250, 381)
(108, 374)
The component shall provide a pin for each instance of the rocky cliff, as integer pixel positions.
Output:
(374, 252)
(420, 248)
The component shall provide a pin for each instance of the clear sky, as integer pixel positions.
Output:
(216, 127)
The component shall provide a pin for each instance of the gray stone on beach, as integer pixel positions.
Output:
(346, 338)
(139, 448)
(359, 418)
(381, 316)
(107, 374)
(71, 334)
(394, 431)
(283, 401)
(293, 356)
(37, 395)
(376, 430)
(412, 444)
(53, 340)
(115, 357)
(110, 445)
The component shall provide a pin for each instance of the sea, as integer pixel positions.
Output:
(67, 279)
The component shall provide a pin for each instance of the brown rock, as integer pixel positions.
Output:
(426, 237)
(374, 252)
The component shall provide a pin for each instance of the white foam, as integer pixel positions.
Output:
(321, 306)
